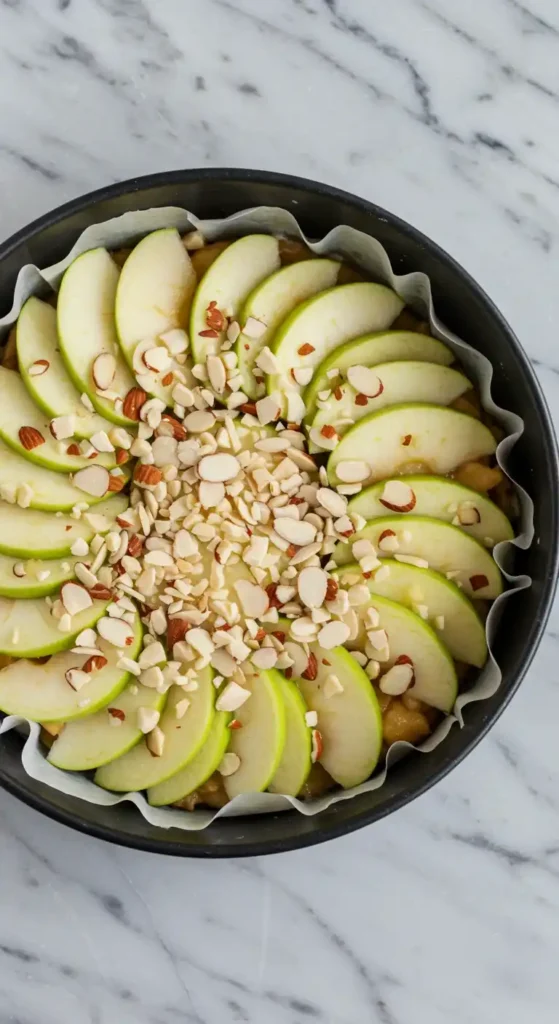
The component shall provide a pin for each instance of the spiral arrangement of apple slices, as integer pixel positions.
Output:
(236, 538)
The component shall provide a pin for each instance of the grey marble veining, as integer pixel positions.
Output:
(446, 113)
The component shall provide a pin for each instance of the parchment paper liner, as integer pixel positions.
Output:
(415, 289)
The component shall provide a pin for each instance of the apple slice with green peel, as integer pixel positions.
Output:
(27, 533)
(295, 764)
(384, 443)
(44, 373)
(409, 637)
(197, 771)
(39, 488)
(43, 693)
(389, 384)
(270, 303)
(25, 429)
(93, 741)
(183, 738)
(440, 498)
(349, 721)
(429, 594)
(86, 330)
(370, 350)
(154, 294)
(227, 283)
(28, 630)
(433, 544)
(260, 741)
(32, 577)
(321, 324)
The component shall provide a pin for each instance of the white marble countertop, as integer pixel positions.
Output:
(447, 114)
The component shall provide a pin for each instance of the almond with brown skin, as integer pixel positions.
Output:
(317, 745)
(100, 593)
(121, 456)
(332, 588)
(73, 449)
(311, 670)
(30, 438)
(135, 546)
(116, 713)
(180, 433)
(147, 475)
(478, 582)
(133, 403)
(167, 379)
(116, 482)
(95, 663)
(39, 367)
(305, 350)
(176, 631)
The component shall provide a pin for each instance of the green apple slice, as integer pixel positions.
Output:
(260, 742)
(270, 303)
(27, 533)
(328, 320)
(154, 293)
(349, 722)
(90, 742)
(184, 737)
(410, 636)
(17, 411)
(228, 282)
(441, 546)
(197, 771)
(440, 498)
(44, 489)
(44, 373)
(383, 442)
(406, 381)
(370, 350)
(295, 765)
(447, 609)
(31, 584)
(86, 330)
(28, 630)
(41, 692)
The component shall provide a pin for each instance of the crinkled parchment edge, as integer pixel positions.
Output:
(414, 288)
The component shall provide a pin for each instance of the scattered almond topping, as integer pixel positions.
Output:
(95, 663)
(232, 697)
(155, 742)
(75, 598)
(332, 686)
(468, 515)
(333, 634)
(103, 371)
(311, 718)
(133, 403)
(397, 680)
(94, 480)
(420, 563)
(365, 381)
(230, 763)
(99, 592)
(146, 475)
(388, 541)
(351, 472)
(235, 724)
(311, 670)
(30, 438)
(77, 678)
(19, 570)
(361, 399)
(317, 746)
(73, 449)
(305, 350)
(218, 468)
(312, 585)
(147, 719)
(406, 440)
(398, 496)
(117, 632)
(478, 582)
(39, 367)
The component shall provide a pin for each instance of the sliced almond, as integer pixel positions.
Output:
(296, 408)
(232, 697)
(80, 547)
(75, 598)
(333, 502)
(398, 496)
(77, 678)
(352, 471)
(117, 632)
(333, 634)
(39, 367)
(267, 361)
(388, 541)
(211, 494)
(254, 328)
(87, 638)
(101, 442)
(468, 515)
(365, 381)
(62, 427)
(295, 531)
(326, 440)
(155, 742)
(311, 585)
(103, 370)
(302, 375)
(253, 598)
(199, 421)
(265, 658)
(219, 468)
(216, 373)
(397, 680)
(19, 570)
(378, 639)
(420, 563)
(94, 480)
(316, 745)
(147, 719)
(230, 763)
(332, 686)
(157, 359)
(268, 409)
(201, 641)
